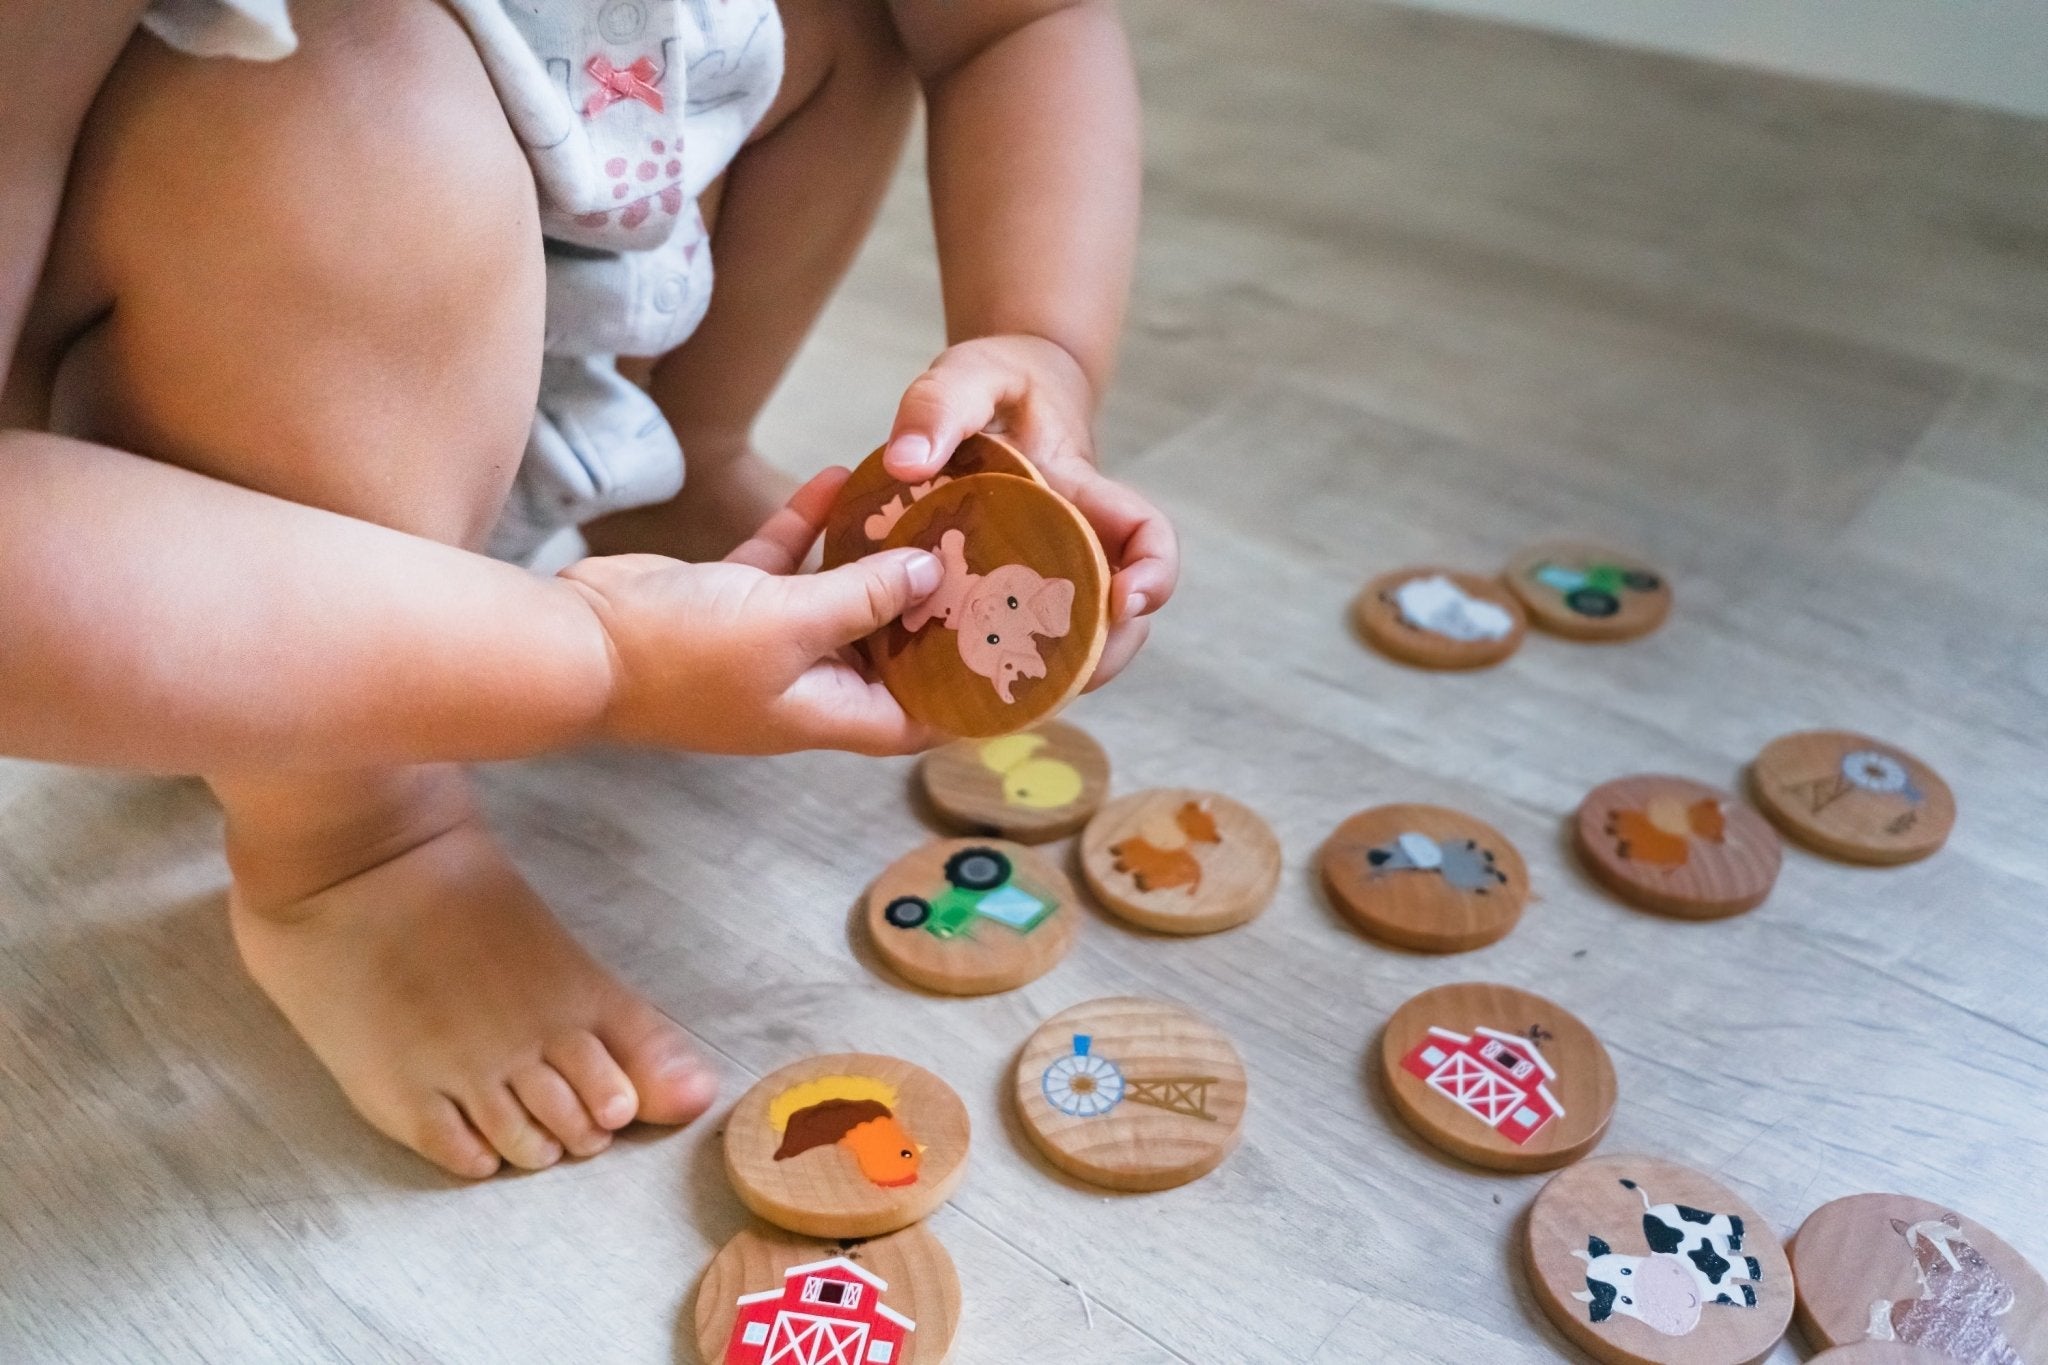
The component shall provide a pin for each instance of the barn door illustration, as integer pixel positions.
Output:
(1478, 1089)
(800, 1339)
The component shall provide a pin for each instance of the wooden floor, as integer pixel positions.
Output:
(1412, 288)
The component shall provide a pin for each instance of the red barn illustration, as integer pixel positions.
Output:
(1498, 1078)
(826, 1313)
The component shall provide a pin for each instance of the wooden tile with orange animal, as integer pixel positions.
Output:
(1180, 862)
(1677, 846)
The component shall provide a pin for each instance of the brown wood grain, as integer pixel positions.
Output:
(1040, 784)
(1378, 616)
(1853, 797)
(1178, 861)
(1001, 522)
(1639, 611)
(1584, 1086)
(1588, 1200)
(1850, 1255)
(1677, 846)
(987, 956)
(825, 1191)
(922, 1285)
(870, 489)
(1171, 1110)
(1472, 897)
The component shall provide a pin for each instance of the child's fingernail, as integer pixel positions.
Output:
(909, 448)
(1134, 606)
(924, 572)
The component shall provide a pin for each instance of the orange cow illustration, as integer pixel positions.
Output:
(1161, 855)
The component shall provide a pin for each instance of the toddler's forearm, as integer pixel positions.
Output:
(1035, 168)
(155, 618)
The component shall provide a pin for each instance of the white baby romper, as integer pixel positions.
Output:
(627, 110)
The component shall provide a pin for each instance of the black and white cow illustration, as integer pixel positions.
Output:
(1695, 1259)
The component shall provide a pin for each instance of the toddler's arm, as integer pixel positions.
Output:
(1035, 161)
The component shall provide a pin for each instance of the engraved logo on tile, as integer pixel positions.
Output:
(854, 1113)
(1695, 1259)
(1086, 1085)
(1161, 855)
(826, 1313)
(979, 885)
(1501, 1079)
(1961, 1297)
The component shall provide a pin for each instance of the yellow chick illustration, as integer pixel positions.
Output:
(1030, 781)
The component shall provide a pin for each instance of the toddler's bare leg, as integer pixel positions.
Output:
(786, 221)
(322, 279)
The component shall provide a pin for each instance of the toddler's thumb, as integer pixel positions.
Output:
(855, 600)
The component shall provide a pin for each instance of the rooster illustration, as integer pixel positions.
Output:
(854, 1112)
(1161, 855)
(1661, 833)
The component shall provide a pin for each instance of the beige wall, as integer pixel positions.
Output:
(1992, 52)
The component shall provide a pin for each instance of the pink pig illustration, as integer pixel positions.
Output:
(996, 614)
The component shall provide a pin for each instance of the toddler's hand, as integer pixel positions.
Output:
(1033, 392)
(744, 656)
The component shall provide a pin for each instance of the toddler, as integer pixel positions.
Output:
(321, 316)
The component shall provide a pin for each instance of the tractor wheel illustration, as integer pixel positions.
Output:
(1592, 602)
(1640, 580)
(977, 869)
(1082, 1085)
(907, 912)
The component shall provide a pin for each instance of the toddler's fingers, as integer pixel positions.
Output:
(855, 600)
(831, 706)
(945, 405)
(1138, 539)
(785, 538)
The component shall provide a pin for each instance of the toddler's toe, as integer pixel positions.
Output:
(439, 1132)
(596, 1077)
(501, 1118)
(549, 1098)
(674, 1084)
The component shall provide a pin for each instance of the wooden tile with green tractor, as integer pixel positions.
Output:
(1595, 589)
(978, 886)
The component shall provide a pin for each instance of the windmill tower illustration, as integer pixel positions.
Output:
(1086, 1085)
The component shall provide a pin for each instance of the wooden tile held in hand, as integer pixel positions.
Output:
(846, 1145)
(1131, 1094)
(971, 916)
(1014, 629)
(1038, 784)
(1646, 1262)
(1424, 877)
(872, 501)
(1497, 1076)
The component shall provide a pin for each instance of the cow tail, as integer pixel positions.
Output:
(1631, 1185)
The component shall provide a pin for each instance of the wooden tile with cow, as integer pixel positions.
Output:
(1640, 1261)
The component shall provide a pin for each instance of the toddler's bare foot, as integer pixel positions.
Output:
(727, 495)
(459, 1017)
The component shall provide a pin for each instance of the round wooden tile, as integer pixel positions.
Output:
(1890, 1267)
(1677, 846)
(971, 916)
(1589, 592)
(1015, 627)
(1642, 1262)
(1440, 618)
(777, 1298)
(1879, 1353)
(848, 1145)
(1131, 1094)
(1497, 1076)
(1180, 862)
(1038, 784)
(1853, 797)
(872, 500)
(1426, 878)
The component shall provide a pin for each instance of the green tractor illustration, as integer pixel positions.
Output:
(1596, 589)
(978, 885)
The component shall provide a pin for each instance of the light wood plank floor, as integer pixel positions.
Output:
(1413, 287)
